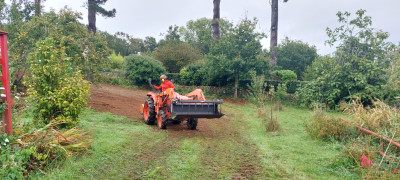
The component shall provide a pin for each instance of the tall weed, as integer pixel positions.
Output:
(383, 157)
(328, 128)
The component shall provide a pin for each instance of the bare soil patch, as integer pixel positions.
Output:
(216, 134)
(117, 100)
(126, 102)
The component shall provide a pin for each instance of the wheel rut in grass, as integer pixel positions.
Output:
(224, 152)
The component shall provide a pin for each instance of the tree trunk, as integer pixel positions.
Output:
(274, 32)
(236, 85)
(215, 23)
(91, 16)
(37, 7)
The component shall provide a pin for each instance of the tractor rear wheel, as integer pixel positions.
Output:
(192, 123)
(149, 112)
(162, 119)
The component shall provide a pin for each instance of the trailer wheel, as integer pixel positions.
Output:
(192, 123)
(149, 112)
(162, 119)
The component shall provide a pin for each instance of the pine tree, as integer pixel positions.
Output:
(215, 22)
(274, 31)
(94, 8)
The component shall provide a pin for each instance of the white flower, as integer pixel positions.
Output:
(6, 140)
(4, 144)
(18, 139)
(17, 97)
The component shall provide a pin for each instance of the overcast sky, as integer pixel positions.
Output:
(304, 20)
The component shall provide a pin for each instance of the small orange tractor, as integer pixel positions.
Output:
(170, 106)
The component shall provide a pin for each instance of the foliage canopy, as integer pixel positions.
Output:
(359, 69)
(138, 69)
(59, 93)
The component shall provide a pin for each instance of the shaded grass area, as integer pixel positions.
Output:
(235, 146)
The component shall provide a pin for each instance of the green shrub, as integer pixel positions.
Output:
(286, 75)
(174, 76)
(13, 161)
(175, 56)
(138, 69)
(115, 77)
(292, 86)
(328, 128)
(257, 93)
(331, 82)
(56, 90)
(281, 92)
(192, 75)
(116, 61)
(363, 66)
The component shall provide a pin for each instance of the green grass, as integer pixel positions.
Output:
(290, 152)
(235, 147)
(118, 142)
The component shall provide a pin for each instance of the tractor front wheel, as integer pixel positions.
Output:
(149, 112)
(162, 119)
(192, 123)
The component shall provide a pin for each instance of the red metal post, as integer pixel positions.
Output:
(6, 82)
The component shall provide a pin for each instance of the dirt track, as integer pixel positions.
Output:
(215, 134)
(117, 100)
(126, 102)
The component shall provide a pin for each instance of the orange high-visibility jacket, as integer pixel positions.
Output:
(165, 85)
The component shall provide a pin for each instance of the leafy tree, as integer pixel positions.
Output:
(274, 31)
(123, 43)
(199, 33)
(150, 43)
(218, 71)
(359, 69)
(137, 45)
(15, 16)
(95, 55)
(172, 36)
(295, 55)
(392, 88)
(95, 8)
(215, 23)
(175, 56)
(87, 52)
(59, 93)
(139, 68)
(238, 52)
(357, 39)
(116, 43)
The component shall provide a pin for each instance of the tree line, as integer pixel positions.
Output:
(217, 52)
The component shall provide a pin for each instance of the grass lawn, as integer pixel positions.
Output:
(291, 153)
(235, 146)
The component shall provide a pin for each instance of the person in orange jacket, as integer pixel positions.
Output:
(165, 84)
